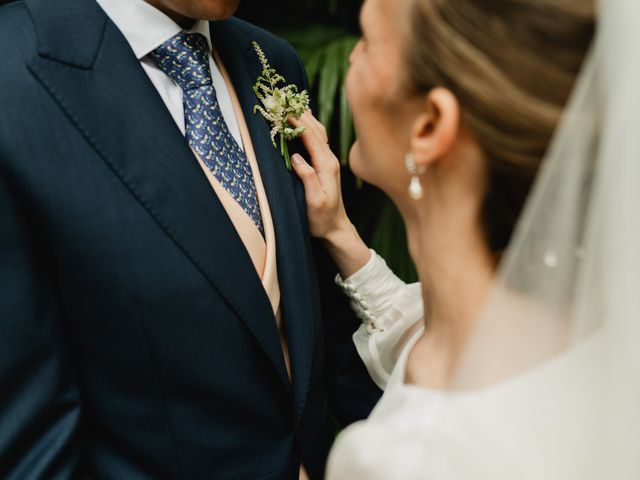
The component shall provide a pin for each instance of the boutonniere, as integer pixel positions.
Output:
(279, 103)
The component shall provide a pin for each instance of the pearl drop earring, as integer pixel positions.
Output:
(415, 187)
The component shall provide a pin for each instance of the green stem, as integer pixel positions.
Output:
(284, 149)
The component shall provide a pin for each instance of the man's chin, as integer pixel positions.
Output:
(183, 10)
(216, 9)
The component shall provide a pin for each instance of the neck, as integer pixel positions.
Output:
(184, 22)
(455, 268)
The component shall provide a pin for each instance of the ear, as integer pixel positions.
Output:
(435, 131)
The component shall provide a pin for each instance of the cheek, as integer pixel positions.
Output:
(363, 114)
(353, 85)
(373, 156)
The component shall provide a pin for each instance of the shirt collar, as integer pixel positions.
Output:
(145, 27)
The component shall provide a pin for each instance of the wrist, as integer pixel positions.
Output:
(340, 234)
(347, 249)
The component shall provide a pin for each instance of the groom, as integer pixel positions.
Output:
(159, 306)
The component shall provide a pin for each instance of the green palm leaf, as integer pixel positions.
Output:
(325, 52)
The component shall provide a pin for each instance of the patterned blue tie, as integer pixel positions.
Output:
(185, 58)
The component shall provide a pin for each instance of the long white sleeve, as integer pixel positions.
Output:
(390, 310)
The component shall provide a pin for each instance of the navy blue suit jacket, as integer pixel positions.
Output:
(136, 340)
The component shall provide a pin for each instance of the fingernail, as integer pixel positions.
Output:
(297, 159)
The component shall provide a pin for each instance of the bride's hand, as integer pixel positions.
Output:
(321, 179)
(327, 216)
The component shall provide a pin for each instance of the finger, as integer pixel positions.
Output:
(304, 121)
(311, 125)
(318, 126)
(314, 139)
(321, 155)
(312, 186)
(314, 124)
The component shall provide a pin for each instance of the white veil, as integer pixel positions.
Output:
(567, 298)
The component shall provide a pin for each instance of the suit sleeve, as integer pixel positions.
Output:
(39, 401)
(352, 392)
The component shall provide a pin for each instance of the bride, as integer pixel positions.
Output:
(516, 355)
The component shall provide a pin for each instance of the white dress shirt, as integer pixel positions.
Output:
(145, 28)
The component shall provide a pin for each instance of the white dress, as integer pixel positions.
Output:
(417, 433)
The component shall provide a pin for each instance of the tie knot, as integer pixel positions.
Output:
(185, 58)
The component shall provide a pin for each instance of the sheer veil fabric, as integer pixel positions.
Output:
(569, 284)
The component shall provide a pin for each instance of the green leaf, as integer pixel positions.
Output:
(329, 82)
(313, 62)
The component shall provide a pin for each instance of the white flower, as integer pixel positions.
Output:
(271, 103)
(279, 104)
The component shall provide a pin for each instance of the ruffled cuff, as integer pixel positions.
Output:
(372, 290)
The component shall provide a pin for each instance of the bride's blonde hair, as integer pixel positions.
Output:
(512, 65)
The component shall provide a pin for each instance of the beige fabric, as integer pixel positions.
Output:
(261, 250)
(303, 473)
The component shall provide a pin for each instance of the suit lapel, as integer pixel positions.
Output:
(294, 272)
(90, 70)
